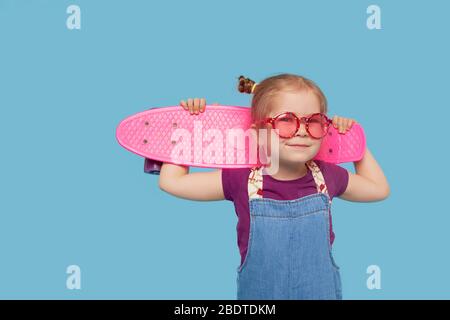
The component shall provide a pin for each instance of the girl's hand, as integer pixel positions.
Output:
(195, 105)
(343, 124)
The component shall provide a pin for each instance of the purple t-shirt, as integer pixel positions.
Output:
(234, 183)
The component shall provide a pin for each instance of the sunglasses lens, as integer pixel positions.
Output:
(318, 126)
(286, 124)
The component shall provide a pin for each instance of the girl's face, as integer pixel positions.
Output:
(301, 103)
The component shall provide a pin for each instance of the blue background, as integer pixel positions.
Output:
(71, 195)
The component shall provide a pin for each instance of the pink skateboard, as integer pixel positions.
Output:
(214, 139)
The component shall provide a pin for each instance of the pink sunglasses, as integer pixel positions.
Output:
(288, 124)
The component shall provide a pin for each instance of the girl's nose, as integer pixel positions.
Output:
(302, 130)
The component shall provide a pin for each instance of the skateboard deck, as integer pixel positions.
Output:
(215, 138)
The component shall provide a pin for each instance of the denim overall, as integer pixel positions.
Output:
(289, 254)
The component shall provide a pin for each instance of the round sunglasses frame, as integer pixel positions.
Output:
(298, 120)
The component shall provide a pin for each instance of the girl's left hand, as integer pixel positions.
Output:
(343, 124)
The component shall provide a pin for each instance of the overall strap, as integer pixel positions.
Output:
(255, 180)
(321, 188)
(318, 177)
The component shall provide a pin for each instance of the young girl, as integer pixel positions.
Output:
(284, 226)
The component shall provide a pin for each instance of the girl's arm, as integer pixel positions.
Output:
(176, 179)
(368, 183)
(202, 186)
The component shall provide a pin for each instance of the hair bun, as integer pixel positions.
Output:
(246, 85)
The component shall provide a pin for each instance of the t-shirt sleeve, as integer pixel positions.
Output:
(227, 184)
(336, 178)
(234, 181)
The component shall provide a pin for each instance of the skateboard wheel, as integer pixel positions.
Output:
(152, 166)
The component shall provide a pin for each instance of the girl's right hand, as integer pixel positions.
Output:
(195, 106)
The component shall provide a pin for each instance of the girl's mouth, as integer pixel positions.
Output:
(298, 146)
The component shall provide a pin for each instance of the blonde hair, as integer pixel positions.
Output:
(266, 89)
